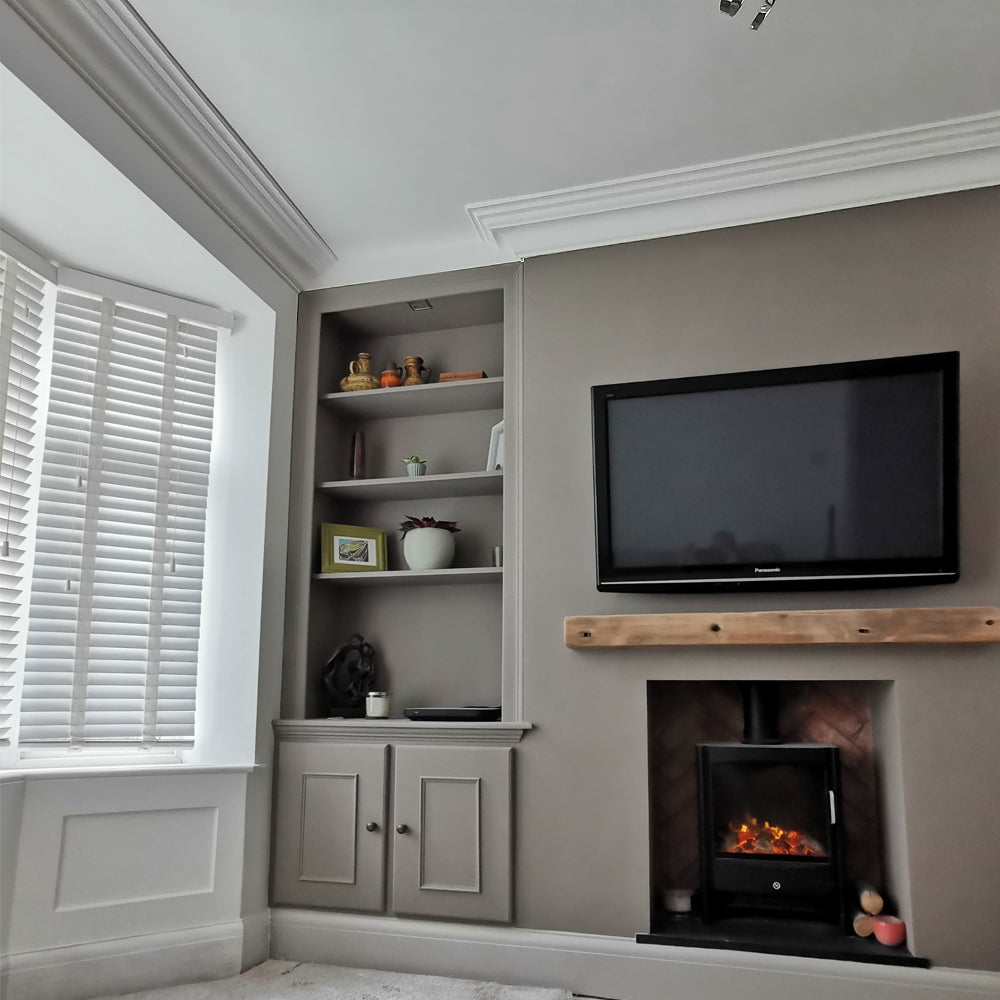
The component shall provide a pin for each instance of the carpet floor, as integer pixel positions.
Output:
(276, 980)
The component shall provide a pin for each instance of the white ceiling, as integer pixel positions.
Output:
(383, 119)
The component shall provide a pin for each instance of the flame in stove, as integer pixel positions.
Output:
(754, 837)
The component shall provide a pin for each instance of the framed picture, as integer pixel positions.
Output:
(494, 460)
(349, 548)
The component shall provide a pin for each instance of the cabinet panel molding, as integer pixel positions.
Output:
(451, 816)
(328, 834)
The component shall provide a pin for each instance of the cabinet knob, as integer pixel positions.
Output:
(402, 828)
(371, 826)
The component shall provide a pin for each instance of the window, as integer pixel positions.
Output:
(110, 652)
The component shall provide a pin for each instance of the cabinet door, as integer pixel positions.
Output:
(329, 825)
(452, 840)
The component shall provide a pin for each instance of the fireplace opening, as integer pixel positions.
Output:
(765, 806)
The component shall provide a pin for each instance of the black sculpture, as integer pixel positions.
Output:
(348, 676)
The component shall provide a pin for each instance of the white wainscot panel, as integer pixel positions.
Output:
(107, 858)
(124, 857)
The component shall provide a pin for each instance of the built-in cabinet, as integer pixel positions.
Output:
(391, 815)
(430, 824)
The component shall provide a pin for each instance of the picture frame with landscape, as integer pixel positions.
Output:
(350, 548)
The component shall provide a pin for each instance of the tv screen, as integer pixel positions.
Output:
(840, 475)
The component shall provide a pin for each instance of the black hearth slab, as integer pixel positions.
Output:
(777, 936)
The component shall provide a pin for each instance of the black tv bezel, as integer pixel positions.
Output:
(818, 575)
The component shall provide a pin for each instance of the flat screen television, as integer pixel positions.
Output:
(820, 477)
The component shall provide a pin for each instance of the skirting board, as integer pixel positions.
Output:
(256, 939)
(617, 968)
(126, 965)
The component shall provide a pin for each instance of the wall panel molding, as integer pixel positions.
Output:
(114, 858)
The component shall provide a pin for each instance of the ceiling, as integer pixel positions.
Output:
(384, 120)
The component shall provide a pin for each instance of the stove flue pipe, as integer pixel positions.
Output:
(760, 712)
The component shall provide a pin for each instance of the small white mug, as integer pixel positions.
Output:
(377, 705)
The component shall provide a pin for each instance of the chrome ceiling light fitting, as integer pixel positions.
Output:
(732, 7)
(761, 14)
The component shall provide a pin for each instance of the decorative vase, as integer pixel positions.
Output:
(414, 370)
(360, 375)
(416, 469)
(357, 466)
(428, 548)
(391, 376)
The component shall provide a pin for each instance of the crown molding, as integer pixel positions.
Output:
(886, 166)
(108, 44)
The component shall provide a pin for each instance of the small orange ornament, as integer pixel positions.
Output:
(391, 376)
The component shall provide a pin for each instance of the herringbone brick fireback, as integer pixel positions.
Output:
(682, 714)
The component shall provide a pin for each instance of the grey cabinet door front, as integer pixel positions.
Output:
(329, 836)
(452, 837)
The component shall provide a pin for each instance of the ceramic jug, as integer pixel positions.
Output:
(360, 376)
(414, 367)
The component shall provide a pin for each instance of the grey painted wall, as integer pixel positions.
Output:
(903, 278)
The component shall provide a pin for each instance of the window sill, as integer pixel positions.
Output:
(97, 769)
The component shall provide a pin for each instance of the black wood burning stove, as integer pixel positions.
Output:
(769, 823)
(770, 830)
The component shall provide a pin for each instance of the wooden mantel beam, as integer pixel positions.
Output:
(782, 628)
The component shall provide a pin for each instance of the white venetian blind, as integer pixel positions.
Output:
(22, 294)
(112, 647)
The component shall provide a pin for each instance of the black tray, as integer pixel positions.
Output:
(467, 713)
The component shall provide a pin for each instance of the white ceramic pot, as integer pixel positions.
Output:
(428, 548)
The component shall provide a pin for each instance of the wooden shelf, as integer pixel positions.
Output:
(858, 626)
(458, 484)
(395, 577)
(400, 731)
(419, 400)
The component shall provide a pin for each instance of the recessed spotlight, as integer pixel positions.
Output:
(420, 305)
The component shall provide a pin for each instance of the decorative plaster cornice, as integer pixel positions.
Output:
(114, 50)
(885, 166)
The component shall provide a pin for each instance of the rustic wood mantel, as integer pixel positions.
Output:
(783, 628)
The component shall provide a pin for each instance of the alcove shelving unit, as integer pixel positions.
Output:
(442, 637)
(857, 626)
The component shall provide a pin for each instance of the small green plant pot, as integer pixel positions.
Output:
(416, 468)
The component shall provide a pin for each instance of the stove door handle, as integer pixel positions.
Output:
(833, 809)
